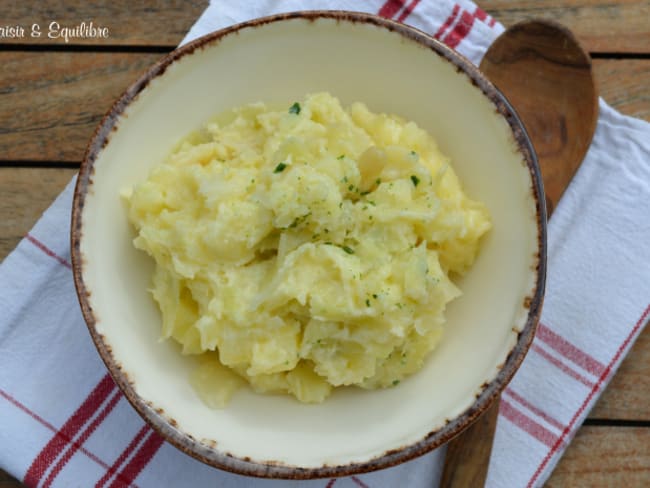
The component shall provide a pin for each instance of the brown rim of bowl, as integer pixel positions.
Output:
(273, 469)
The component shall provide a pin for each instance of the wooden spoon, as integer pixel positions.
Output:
(546, 75)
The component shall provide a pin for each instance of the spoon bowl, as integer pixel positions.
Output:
(547, 76)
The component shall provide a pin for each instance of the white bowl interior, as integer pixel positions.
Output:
(282, 61)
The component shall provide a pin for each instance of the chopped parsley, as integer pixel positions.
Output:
(415, 180)
(281, 167)
(341, 156)
(295, 108)
(367, 302)
(395, 382)
(347, 249)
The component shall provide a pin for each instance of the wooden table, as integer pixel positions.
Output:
(53, 94)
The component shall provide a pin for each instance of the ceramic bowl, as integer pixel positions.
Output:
(356, 57)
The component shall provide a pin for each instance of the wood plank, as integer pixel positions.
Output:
(52, 102)
(627, 397)
(7, 481)
(601, 25)
(26, 193)
(52, 97)
(602, 457)
(155, 22)
(625, 84)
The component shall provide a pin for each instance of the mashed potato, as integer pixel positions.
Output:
(305, 248)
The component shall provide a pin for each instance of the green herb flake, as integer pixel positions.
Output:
(378, 181)
(395, 382)
(347, 249)
(295, 108)
(351, 187)
(374, 295)
(341, 157)
(367, 302)
(415, 180)
(280, 168)
(364, 193)
(413, 153)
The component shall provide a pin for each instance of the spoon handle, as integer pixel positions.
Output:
(474, 443)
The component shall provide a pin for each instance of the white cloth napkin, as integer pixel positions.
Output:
(63, 422)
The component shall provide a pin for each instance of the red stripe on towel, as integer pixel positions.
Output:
(390, 8)
(74, 447)
(408, 10)
(124, 456)
(49, 426)
(525, 423)
(359, 482)
(448, 22)
(561, 366)
(63, 436)
(570, 351)
(594, 390)
(47, 250)
(537, 411)
(480, 14)
(464, 26)
(460, 31)
(139, 461)
(22, 407)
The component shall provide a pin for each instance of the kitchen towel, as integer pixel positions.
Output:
(64, 423)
